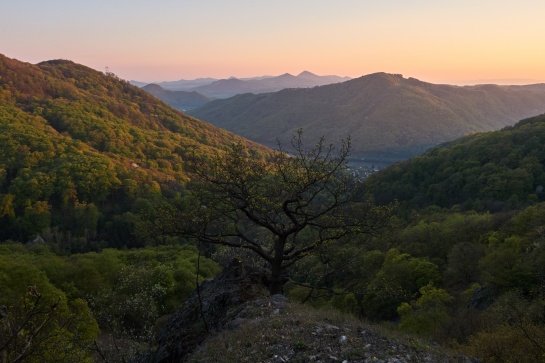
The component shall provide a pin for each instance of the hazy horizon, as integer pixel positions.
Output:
(506, 82)
(454, 42)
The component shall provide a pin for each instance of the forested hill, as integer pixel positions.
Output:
(484, 171)
(387, 116)
(180, 100)
(81, 151)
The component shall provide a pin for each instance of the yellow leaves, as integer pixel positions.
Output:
(155, 188)
(6, 205)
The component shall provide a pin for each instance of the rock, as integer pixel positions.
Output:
(217, 305)
(278, 331)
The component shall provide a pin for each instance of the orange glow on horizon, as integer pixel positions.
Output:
(439, 42)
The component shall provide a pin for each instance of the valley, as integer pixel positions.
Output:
(129, 230)
(388, 117)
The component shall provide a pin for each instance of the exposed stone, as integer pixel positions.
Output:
(238, 300)
(218, 304)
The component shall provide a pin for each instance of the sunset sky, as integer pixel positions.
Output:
(447, 41)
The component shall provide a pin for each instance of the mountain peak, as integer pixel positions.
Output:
(385, 75)
(58, 62)
(373, 106)
(307, 74)
(153, 87)
(382, 78)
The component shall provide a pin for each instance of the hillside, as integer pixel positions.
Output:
(493, 170)
(387, 116)
(88, 161)
(82, 151)
(180, 85)
(180, 100)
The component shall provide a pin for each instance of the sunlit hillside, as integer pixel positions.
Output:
(78, 146)
(387, 116)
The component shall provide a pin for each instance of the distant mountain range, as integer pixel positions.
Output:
(224, 88)
(180, 100)
(181, 85)
(387, 116)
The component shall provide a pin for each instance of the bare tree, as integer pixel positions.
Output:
(281, 209)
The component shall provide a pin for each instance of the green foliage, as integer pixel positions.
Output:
(489, 233)
(38, 323)
(513, 331)
(463, 260)
(399, 280)
(78, 148)
(69, 298)
(490, 171)
(429, 314)
(507, 344)
(503, 264)
(436, 232)
(283, 209)
(462, 268)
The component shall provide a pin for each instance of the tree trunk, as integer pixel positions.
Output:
(277, 284)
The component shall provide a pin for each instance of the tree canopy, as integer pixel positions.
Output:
(81, 150)
(281, 209)
(485, 171)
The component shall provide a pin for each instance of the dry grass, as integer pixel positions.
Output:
(302, 334)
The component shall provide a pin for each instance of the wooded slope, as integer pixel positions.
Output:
(387, 116)
(79, 147)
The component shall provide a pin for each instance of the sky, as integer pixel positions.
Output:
(439, 41)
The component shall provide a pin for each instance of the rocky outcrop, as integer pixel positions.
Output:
(216, 305)
(294, 333)
(233, 319)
